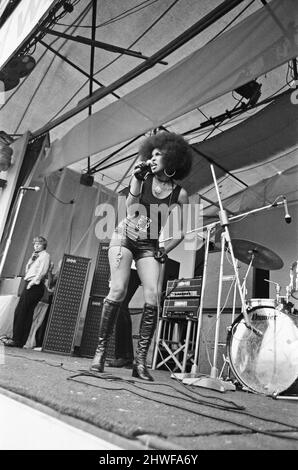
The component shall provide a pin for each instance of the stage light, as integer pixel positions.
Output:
(251, 91)
(3, 183)
(18, 67)
(5, 151)
(68, 7)
(87, 179)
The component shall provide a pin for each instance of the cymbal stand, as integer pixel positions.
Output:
(277, 290)
(213, 381)
(193, 373)
(191, 379)
(226, 359)
(200, 316)
(246, 274)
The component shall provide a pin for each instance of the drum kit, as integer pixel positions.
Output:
(262, 343)
(265, 363)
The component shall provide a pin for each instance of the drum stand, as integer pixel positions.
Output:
(226, 359)
(213, 381)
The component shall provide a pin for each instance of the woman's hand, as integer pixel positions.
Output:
(141, 170)
(160, 255)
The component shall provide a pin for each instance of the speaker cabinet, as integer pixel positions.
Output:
(207, 337)
(90, 334)
(256, 284)
(212, 281)
(64, 315)
(101, 276)
(92, 320)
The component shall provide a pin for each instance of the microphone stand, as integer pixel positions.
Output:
(213, 381)
(20, 196)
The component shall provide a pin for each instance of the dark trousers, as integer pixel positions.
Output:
(123, 331)
(39, 337)
(24, 312)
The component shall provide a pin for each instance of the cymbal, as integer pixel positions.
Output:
(261, 257)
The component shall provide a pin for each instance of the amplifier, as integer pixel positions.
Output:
(184, 287)
(90, 335)
(183, 308)
(66, 306)
(101, 276)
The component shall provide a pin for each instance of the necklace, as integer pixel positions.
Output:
(161, 185)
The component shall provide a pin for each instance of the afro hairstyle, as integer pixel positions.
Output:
(177, 153)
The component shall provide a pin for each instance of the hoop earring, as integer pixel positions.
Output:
(169, 176)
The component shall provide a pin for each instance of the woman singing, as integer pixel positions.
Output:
(164, 158)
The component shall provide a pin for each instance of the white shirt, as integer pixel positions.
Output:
(37, 270)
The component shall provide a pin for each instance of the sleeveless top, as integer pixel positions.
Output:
(153, 212)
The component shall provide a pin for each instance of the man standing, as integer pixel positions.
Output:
(35, 274)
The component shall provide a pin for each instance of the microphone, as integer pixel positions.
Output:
(142, 170)
(288, 218)
(30, 188)
(144, 165)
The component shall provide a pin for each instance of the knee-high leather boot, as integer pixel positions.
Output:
(147, 328)
(108, 317)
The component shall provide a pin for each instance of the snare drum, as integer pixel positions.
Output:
(266, 364)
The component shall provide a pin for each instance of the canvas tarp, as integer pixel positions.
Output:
(258, 44)
(64, 212)
(270, 133)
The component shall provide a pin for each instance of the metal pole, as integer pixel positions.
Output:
(214, 371)
(224, 222)
(189, 34)
(92, 56)
(204, 276)
(9, 238)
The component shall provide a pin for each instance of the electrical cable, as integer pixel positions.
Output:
(232, 21)
(72, 201)
(120, 16)
(82, 14)
(237, 409)
(37, 89)
(108, 64)
(253, 429)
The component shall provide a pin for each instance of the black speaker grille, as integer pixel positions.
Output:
(91, 330)
(63, 321)
(100, 282)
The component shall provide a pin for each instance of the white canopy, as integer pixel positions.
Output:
(252, 42)
(258, 44)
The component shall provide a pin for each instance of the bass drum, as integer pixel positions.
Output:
(266, 363)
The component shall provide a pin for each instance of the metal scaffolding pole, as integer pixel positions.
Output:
(209, 19)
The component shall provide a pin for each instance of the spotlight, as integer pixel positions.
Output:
(68, 7)
(9, 82)
(3, 183)
(251, 91)
(18, 67)
(87, 179)
(5, 151)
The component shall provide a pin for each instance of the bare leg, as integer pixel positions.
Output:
(120, 272)
(150, 273)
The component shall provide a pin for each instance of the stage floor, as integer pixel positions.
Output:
(130, 414)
